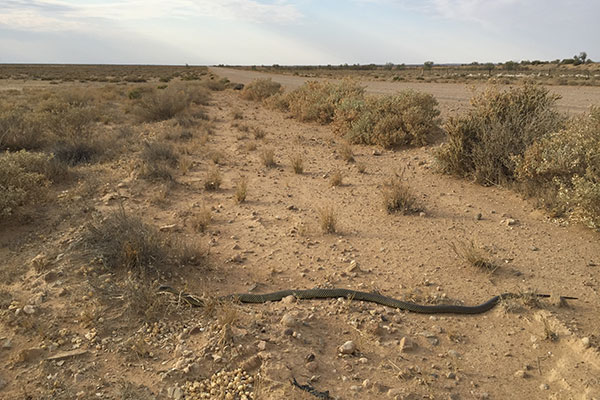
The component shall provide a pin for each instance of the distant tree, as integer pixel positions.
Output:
(511, 66)
(489, 67)
(428, 65)
(388, 66)
(583, 56)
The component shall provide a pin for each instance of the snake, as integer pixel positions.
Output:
(326, 293)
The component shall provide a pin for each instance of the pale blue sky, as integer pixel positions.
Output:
(295, 31)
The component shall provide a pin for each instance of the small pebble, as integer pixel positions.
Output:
(348, 348)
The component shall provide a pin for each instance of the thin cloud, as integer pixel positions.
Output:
(54, 15)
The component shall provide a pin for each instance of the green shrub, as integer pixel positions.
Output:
(408, 118)
(22, 179)
(317, 101)
(566, 166)
(487, 142)
(260, 89)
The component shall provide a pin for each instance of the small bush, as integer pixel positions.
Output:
(487, 142)
(202, 219)
(565, 166)
(160, 105)
(408, 118)
(20, 129)
(399, 198)
(327, 219)
(158, 160)
(336, 178)
(346, 152)
(213, 179)
(267, 157)
(474, 256)
(317, 101)
(260, 89)
(241, 190)
(216, 85)
(297, 163)
(125, 241)
(22, 179)
(72, 151)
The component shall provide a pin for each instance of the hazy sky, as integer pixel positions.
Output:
(296, 31)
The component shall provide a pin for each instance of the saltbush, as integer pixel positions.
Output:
(260, 89)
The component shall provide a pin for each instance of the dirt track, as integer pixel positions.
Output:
(452, 96)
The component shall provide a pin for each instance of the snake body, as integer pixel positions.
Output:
(353, 295)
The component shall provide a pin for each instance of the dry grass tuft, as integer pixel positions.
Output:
(202, 219)
(213, 179)
(260, 89)
(336, 178)
(158, 161)
(474, 256)
(241, 190)
(346, 152)
(327, 219)
(399, 198)
(297, 163)
(267, 157)
(160, 105)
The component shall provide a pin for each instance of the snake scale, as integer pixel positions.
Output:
(354, 295)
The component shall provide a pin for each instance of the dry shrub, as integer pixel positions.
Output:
(23, 179)
(158, 160)
(474, 256)
(297, 163)
(122, 240)
(202, 219)
(488, 141)
(216, 85)
(336, 178)
(241, 190)
(399, 198)
(409, 118)
(565, 167)
(346, 152)
(327, 219)
(160, 105)
(213, 179)
(74, 151)
(317, 101)
(260, 89)
(20, 129)
(267, 157)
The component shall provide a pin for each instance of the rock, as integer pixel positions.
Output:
(347, 348)
(169, 228)
(510, 222)
(366, 383)
(252, 363)
(288, 332)
(289, 299)
(262, 345)
(422, 214)
(354, 267)
(288, 320)
(454, 353)
(406, 345)
(544, 386)
(39, 262)
(451, 375)
(30, 355)
(478, 217)
(521, 374)
(363, 360)
(7, 344)
(312, 366)
(585, 342)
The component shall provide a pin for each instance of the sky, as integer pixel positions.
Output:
(292, 32)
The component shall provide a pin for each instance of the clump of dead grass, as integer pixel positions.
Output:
(346, 152)
(160, 105)
(241, 190)
(158, 161)
(336, 178)
(213, 179)
(202, 219)
(297, 163)
(474, 256)
(327, 219)
(267, 156)
(260, 89)
(398, 197)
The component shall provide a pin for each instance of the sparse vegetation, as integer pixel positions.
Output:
(260, 89)
(241, 190)
(158, 161)
(160, 105)
(346, 152)
(297, 163)
(327, 219)
(202, 219)
(399, 198)
(213, 179)
(487, 142)
(474, 256)
(336, 178)
(267, 157)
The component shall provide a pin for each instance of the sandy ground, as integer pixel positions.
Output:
(273, 241)
(451, 96)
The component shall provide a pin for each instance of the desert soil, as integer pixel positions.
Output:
(273, 241)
